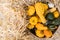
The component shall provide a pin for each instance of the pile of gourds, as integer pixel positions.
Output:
(44, 19)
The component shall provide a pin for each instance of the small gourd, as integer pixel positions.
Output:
(39, 33)
(50, 16)
(56, 14)
(56, 21)
(41, 26)
(47, 33)
(52, 27)
(31, 10)
(33, 20)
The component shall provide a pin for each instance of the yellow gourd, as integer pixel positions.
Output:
(30, 26)
(56, 14)
(33, 20)
(31, 10)
(41, 26)
(47, 33)
(40, 11)
(39, 33)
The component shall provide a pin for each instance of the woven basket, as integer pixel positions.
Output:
(26, 34)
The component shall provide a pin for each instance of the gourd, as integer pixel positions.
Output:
(47, 33)
(39, 33)
(56, 14)
(40, 11)
(52, 27)
(31, 10)
(33, 20)
(50, 16)
(56, 21)
(41, 26)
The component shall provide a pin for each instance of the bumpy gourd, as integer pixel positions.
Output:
(40, 11)
(56, 14)
(47, 33)
(33, 20)
(39, 33)
(41, 27)
(31, 10)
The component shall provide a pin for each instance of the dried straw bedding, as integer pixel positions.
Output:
(13, 20)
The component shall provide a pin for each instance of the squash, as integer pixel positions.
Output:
(50, 16)
(30, 26)
(56, 14)
(40, 11)
(39, 33)
(33, 20)
(41, 26)
(47, 33)
(56, 21)
(52, 27)
(31, 10)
